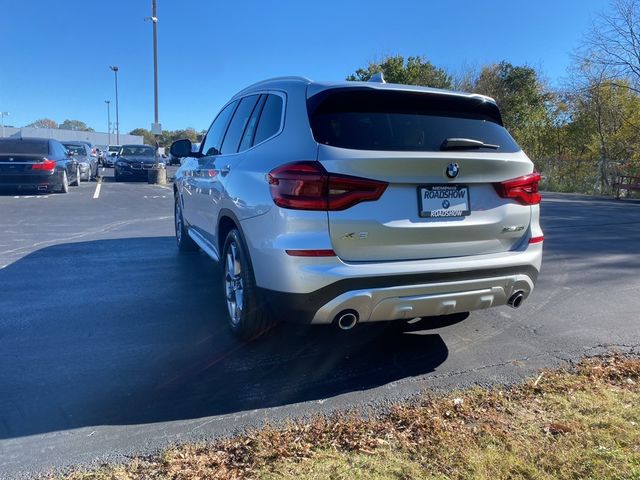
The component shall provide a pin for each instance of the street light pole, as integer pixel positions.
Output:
(115, 71)
(154, 19)
(108, 102)
(2, 115)
(156, 128)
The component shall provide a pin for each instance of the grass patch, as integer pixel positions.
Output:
(578, 424)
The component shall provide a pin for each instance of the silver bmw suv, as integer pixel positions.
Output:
(356, 202)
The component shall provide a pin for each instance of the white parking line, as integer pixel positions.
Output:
(96, 194)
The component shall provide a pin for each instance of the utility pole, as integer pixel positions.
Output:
(156, 128)
(2, 115)
(108, 102)
(115, 71)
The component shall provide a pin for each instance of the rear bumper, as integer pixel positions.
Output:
(398, 297)
(45, 182)
(315, 289)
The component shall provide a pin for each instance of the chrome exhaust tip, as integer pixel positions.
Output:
(347, 319)
(42, 188)
(516, 299)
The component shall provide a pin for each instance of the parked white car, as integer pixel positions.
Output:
(356, 202)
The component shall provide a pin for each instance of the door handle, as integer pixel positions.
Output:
(225, 170)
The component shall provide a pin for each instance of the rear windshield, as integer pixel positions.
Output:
(404, 121)
(77, 149)
(133, 150)
(114, 148)
(24, 146)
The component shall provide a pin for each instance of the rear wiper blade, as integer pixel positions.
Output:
(465, 143)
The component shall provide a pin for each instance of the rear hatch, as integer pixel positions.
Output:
(18, 156)
(19, 164)
(440, 155)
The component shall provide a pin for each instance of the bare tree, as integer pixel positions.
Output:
(613, 43)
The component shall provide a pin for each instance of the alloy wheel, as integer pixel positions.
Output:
(234, 286)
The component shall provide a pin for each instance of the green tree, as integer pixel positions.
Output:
(170, 136)
(44, 123)
(75, 125)
(167, 137)
(527, 106)
(147, 136)
(415, 71)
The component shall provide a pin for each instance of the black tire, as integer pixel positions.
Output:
(64, 186)
(184, 241)
(116, 177)
(246, 317)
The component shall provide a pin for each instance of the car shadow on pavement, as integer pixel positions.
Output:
(121, 332)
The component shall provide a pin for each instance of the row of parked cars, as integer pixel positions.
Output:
(42, 164)
(47, 165)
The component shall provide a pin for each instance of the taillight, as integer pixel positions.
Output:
(46, 165)
(522, 189)
(308, 186)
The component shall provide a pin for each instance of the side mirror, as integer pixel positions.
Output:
(181, 148)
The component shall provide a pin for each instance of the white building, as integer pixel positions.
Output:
(96, 138)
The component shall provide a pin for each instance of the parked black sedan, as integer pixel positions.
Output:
(133, 162)
(39, 164)
(87, 162)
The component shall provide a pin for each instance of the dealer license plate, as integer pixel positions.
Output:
(438, 201)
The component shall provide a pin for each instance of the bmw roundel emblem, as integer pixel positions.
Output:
(453, 170)
(446, 204)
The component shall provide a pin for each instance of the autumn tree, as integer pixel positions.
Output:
(44, 123)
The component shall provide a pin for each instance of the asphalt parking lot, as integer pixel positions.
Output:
(113, 344)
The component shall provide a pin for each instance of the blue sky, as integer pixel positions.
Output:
(55, 55)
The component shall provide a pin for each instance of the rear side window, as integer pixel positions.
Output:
(75, 149)
(404, 121)
(238, 124)
(270, 119)
(250, 130)
(213, 141)
(24, 146)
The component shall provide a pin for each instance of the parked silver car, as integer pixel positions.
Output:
(357, 202)
(87, 163)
